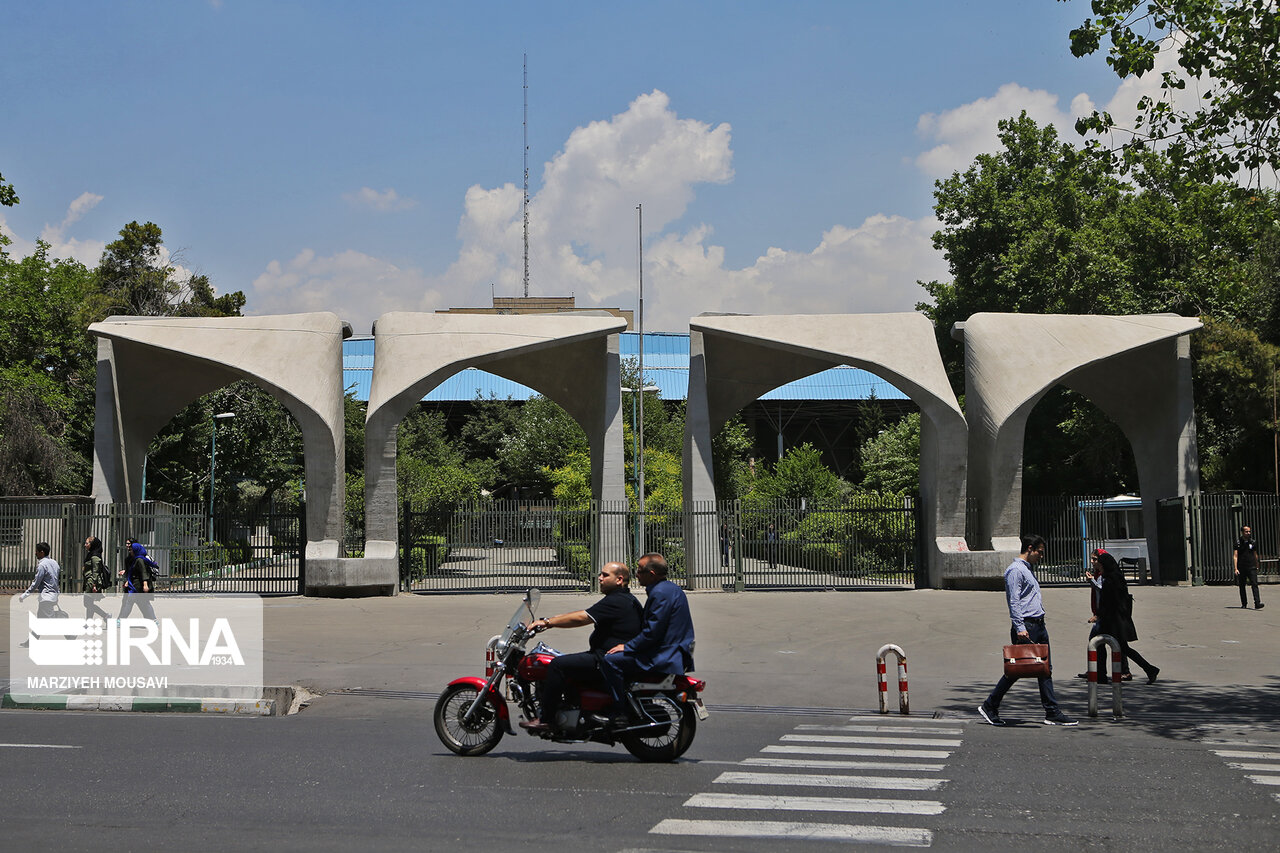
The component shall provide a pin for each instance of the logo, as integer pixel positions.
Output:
(139, 644)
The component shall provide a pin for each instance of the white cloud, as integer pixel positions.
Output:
(87, 252)
(583, 241)
(384, 202)
(963, 133)
(356, 286)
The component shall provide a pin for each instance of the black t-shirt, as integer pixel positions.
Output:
(618, 617)
(1246, 554)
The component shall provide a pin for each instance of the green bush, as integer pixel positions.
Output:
(425, 557)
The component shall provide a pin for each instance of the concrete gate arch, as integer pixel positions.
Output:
(735, 359)
(572, 359)
(150, 368)
(1136, 369)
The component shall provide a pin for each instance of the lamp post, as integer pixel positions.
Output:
(637, 457)
(213, 461)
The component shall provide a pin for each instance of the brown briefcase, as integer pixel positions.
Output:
(1027, 660)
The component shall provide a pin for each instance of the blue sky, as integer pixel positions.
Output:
(366, 157)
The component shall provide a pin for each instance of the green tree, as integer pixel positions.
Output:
(1227, 49)
(135, 279)
(543, 439)
(47, 364)
(8, 195)
(798, 475)
(891, 460)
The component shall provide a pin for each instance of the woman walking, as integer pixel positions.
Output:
(1115, 615)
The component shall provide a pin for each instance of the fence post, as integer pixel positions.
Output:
(1117, 708)
(882, 677)
(594, 521)
(738, 582)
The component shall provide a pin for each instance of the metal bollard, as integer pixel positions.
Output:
(1117, 707)
(904, 703)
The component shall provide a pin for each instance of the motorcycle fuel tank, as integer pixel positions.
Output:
(533, 667)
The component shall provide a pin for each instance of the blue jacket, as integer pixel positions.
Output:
(665, 643)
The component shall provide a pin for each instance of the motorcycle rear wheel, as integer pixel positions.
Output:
(476, 737)
(668, 742)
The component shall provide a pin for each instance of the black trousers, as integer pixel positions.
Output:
(580, 667)
(1248, 576)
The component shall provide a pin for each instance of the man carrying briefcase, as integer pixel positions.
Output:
(1027, 614)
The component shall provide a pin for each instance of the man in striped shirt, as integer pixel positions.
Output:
(1027, 614)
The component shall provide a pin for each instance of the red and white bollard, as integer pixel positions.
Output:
(1117, 706)
(904, 704)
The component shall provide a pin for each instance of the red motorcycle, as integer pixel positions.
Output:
(471, 716)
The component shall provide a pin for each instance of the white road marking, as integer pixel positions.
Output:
(39, 746)
(874, 741)
(885, 783)
(1264, 780)
(896, 729)
(861, 805)
(791, 831)
(1235, 765)
(863, 753)
(817, 763)
(1234, 753)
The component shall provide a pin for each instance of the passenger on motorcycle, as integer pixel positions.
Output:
(665, 642)
(616, 616)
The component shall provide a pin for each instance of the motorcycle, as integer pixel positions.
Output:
(471, 716)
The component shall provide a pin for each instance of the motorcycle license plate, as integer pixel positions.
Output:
(700, 709)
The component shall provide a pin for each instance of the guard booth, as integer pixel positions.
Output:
(1116, 525)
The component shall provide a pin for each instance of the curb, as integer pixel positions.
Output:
(276, 702)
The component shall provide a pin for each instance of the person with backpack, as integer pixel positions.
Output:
(139, 577)
(97, 578)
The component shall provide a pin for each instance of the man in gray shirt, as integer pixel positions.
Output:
(46, 582)
(1026, 611)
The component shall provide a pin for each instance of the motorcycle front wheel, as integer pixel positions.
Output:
(668, 742)
(466, 737)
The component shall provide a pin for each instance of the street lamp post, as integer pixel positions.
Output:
(637, 458)
(213, 461)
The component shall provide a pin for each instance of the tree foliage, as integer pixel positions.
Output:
(8, 195)
(1228, 51)
(891, 459)
(136, 277)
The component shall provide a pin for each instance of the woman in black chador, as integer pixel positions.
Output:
(1115, 615)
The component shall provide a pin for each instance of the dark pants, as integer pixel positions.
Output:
(91, 607)
(617, 669)
(1038, 633)
(1248, 576)
(582, 667)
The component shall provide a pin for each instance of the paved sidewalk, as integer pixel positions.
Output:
(806, 649)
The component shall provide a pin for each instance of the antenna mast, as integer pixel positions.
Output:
(526, 176)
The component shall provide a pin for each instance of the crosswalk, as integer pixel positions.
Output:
(824, 769)
(1259, 760)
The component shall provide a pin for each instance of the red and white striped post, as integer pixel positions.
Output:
(904, 703)
(1117, 706)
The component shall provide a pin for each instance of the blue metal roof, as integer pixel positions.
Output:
(666, 365)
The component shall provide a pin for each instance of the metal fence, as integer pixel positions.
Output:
(1212, 525)
(261, 555)
(505, 545)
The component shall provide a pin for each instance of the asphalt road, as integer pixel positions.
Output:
(364, 772)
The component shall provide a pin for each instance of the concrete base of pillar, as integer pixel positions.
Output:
(351, 577)
(974, 569)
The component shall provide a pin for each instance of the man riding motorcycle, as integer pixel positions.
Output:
(617, 617)
(663, 645)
